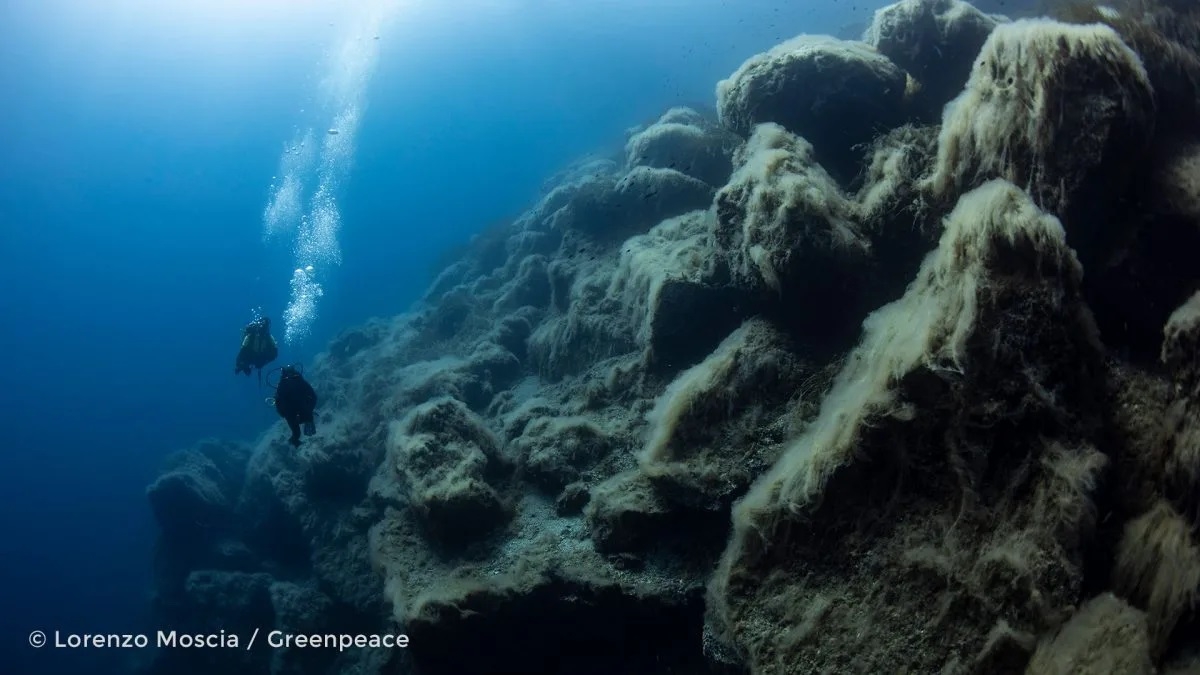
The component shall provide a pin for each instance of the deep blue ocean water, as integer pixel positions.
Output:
(139, 143)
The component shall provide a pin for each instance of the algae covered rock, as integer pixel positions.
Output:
(557, 620)
(1158, 570)
(810, 385)
(556, 450)
(612, 208)
(196, 493)
(944, 410)
(682, 140)
(1106, 635)
(626, 514)
(935, 41)
(1181, 346)
(1181, 356)
(659, 299)
(713, 430)
(448, 460)
(834, 93)
(1067, 110)
(789, 232)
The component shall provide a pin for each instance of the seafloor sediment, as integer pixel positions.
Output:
(890, 365)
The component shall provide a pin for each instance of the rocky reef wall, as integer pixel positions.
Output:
(892, 365)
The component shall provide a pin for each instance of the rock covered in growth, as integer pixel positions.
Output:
(893, 213)
(579, 170)
(448, 460)
(1181, 356)
(781, 207)
(1138, 402)
(613, 208)
(1106, 635)
(301, 610)
(189, 496)
(1164, 33)
(299, 523)
(936, 41)
(668, 280)
(969, 407)
(545, 583)
(1152, 273)
(1067, 110)
(895, 161)
(787, 229)
(556, 614)
(1177, 188)
(1181, 346)
(682, 140)
(473, 378)
(1170, 49)
(243, 597)
(715, 427)
(658, 299)
(1158, 569)
(834, 93)
(556, 450)
(300, 530)
(639, 355)
(215, 601)
(530, 286)
(627, 514)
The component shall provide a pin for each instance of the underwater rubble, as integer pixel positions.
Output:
(889, 366)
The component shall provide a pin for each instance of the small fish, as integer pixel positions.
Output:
(333, 132)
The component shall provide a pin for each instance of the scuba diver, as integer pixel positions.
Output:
(258, 347)
(295, 401)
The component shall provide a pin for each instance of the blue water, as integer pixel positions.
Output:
(139, 144)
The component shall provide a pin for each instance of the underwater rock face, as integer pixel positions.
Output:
(833, 93)
(1105, 636)
(816, 258)
(683, 141)
(196, 494)
(712, 430)
(555, 450)
(788, 231)
(784, 401)
(557, 622)
(611, 209)
(1067, 110)
(189, 496)
(447, 458)
(935, 41)
(301, 610)
(636, 301)
(944, 412)
(781, 210)
(1181, 356)
(1178, 187)
(1158, 568)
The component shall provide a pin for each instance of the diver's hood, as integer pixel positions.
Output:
(285, 373)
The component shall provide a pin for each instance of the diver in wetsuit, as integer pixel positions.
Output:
(258, 347)
(295, 401)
